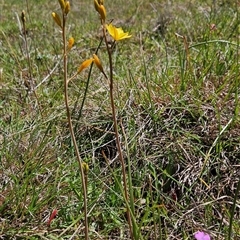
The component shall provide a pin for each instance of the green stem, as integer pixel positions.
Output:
(114, 117)
(136, 231)
(70, 125)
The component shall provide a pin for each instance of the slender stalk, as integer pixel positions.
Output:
(115, 123)
(29, 84)
(135, 230)
(70, 125)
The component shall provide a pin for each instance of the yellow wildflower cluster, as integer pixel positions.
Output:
(116, 33)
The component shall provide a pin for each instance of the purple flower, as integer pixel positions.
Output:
(202, 236)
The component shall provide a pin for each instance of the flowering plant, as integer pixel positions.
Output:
(117, 33)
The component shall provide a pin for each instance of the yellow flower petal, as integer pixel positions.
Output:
(85, 64)
(117, 33)
(111, 30)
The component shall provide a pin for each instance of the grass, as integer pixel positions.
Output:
(177, 101)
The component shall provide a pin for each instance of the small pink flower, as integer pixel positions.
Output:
(202, 236)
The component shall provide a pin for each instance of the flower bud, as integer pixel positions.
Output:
(102, 12)
(23, 16)
(85, 168)
(57, 19)
(62, 4)
(67, 7)
(70, 42)
(96, 5)
(97, 62)
(85, 64)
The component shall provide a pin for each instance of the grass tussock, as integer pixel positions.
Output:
(176, 95)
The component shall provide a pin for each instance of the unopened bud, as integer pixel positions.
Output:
(85, 64)
(23, 16)
(67, 7)
(102, 12)
(62, 4)
(98, 4)
(57, 19)
(85, 168)
(70, 42)
(97, 62)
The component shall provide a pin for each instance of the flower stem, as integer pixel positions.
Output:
(115, 123)
(70, 125)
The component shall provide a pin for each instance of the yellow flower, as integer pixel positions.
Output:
(117, 33)
(85, 64)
